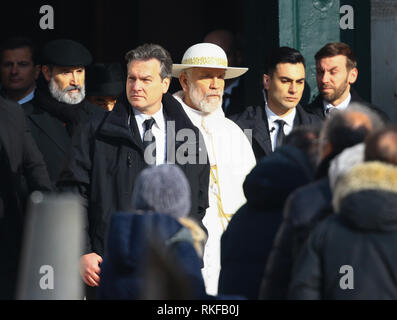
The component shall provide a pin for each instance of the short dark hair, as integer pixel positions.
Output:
(283, 55)
(17, 43)
(152, 51)
(333, 49)
(382, 146)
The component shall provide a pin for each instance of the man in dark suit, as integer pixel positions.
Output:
(19, 69)
(336, 72)
(284, 83)
(109, 151)
(59, 104)
(22, 171)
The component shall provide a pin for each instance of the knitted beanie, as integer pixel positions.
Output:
(162, 189)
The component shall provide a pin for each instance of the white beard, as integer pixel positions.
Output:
(64, 95)
(201, 102)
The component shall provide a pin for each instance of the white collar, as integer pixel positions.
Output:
(158, 117)
(272, 117)
(341, 106)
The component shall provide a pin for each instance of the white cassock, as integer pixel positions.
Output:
(231, 159)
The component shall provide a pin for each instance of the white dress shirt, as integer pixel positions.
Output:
(341, 106)
(274, 127)
(158, 129)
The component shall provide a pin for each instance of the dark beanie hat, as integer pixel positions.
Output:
(104, 79)
(65, 53)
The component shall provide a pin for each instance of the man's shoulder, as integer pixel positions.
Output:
(307, 117)
(93, 108)
(236, 132)
(11, 108)
(175, 112)
(319, 194)
(89, 110)
(315, 108)
(94, 121)
(231, 125)
(250, 115)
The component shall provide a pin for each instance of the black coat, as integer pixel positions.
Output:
(317, 107)
(22, 171)
(107, 156)
(361, 235)
(304, 209)
(52, 130)
(248, 239)
(255, 118)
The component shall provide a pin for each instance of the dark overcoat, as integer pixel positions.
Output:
(22, 171)
(248, 239)
(51, 131)
(107, 155)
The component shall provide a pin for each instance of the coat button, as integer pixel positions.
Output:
(129, 160)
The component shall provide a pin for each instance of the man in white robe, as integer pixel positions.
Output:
(202, 76)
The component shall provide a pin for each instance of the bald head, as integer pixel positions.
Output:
(357, 119)
(382, 146)
(347, 128)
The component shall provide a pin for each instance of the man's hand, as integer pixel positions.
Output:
(89, 269)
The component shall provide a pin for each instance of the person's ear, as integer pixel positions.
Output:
(166, 84)
(183, 81)
(266, 81)
(353, 74)
(46, 72)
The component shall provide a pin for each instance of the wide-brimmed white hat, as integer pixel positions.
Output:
(206, 55)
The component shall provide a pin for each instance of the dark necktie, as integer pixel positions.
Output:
(330, 111)
(280, 133)
(149, 139)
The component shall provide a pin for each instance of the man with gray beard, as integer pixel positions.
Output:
(59, 105)
(202, 76)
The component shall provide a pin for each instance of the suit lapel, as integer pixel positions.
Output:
(261, 132)
(299, 117)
